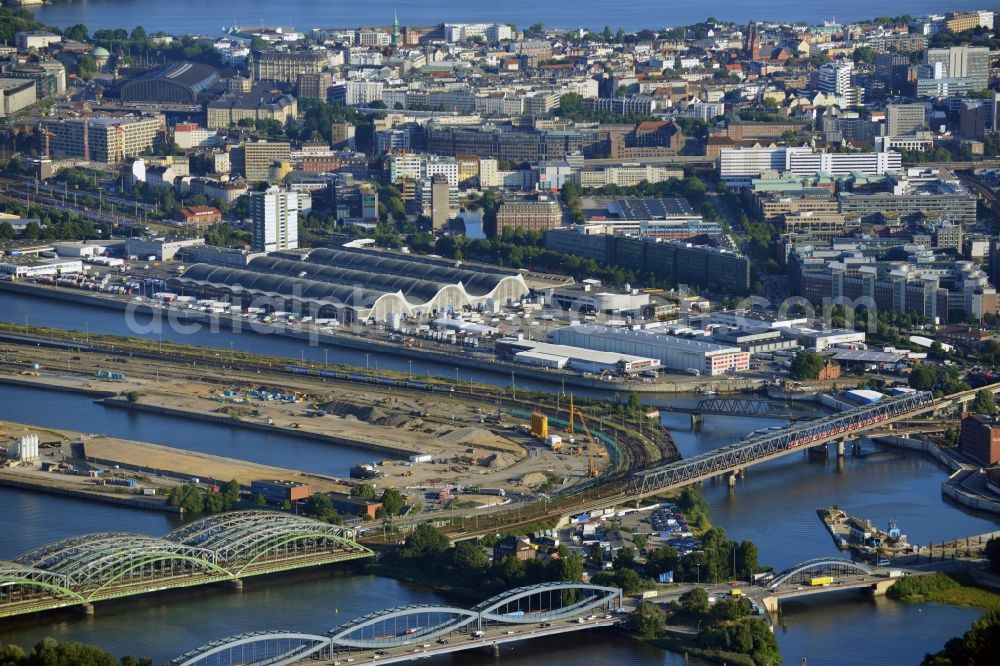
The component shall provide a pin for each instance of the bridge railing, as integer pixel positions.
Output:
(407, 625)
(755, 448)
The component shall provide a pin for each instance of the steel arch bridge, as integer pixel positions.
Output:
(84, 569)
(834, 566)
(403, 627)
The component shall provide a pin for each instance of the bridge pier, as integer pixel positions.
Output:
(496, 650)
(732, 476)
(235, 584)
(841, 446)
(86, 609)
(696, 420)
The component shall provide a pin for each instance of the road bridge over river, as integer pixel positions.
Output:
(416, 632)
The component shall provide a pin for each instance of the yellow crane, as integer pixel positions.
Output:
(592, 470)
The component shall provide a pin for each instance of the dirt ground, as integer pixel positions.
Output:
(453, 429)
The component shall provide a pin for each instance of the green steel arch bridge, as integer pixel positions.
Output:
(224, 548)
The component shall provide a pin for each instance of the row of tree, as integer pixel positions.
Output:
(50, 652)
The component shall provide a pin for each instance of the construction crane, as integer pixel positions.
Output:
(592, 470)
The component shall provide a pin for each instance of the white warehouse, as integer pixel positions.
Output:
(673, 352)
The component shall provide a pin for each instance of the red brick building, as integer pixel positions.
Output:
(980, 439)
(201, 216)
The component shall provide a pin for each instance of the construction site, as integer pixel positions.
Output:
(423, 442)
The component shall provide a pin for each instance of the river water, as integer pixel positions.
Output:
(208, 17)
(774, 506)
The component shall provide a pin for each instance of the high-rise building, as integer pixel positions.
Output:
(535, 214)
(275, 214)
(835, 77)
(893, 70)
(440, 204)
(904, 118)
(963, 62)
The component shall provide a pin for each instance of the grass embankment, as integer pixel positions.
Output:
(687, 647)
(954, 589)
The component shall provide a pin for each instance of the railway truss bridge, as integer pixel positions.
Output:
(415, 632)
(768, 445)
(224, 548)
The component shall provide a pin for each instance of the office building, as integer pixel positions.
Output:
(680, 262)
(974, 118)
(314, 85)
(342, 135)
(285, 66)
(980, 439)
(278, 492)
(530, 214)
(255, 159)
(893, 70)
(962, 62)
(904, 119)
(913, 195)
(835, 77)
(259, 102)
(440, 202)
(275, 214)
(15, 95)
(107, 139)
(353, 203)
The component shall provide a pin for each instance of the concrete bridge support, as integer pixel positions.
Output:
(732, 476)
(841, 446)
(696, 421)
(86, 609)
(235, 584)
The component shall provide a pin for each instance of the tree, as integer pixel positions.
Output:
(187, 497)
(923, 377)
(993, 553)
(695, 601)
(364, 491)
(76, 33)
(661, 560)
(729, 609)
(749, 636)
(86, 67)
(319, 505)
(647, 620)
(231, 494)
(425, 543)
(392, 502)
(6, 231)
(624, 558)
(984, 403)
(806, 365)
(747, 564)
(138, 34)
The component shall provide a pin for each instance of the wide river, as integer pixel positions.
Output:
(774, 506)
(208, 16)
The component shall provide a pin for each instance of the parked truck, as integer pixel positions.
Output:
(821, 581)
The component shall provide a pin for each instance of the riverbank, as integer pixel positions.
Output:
(20, 481)
(475, 361)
